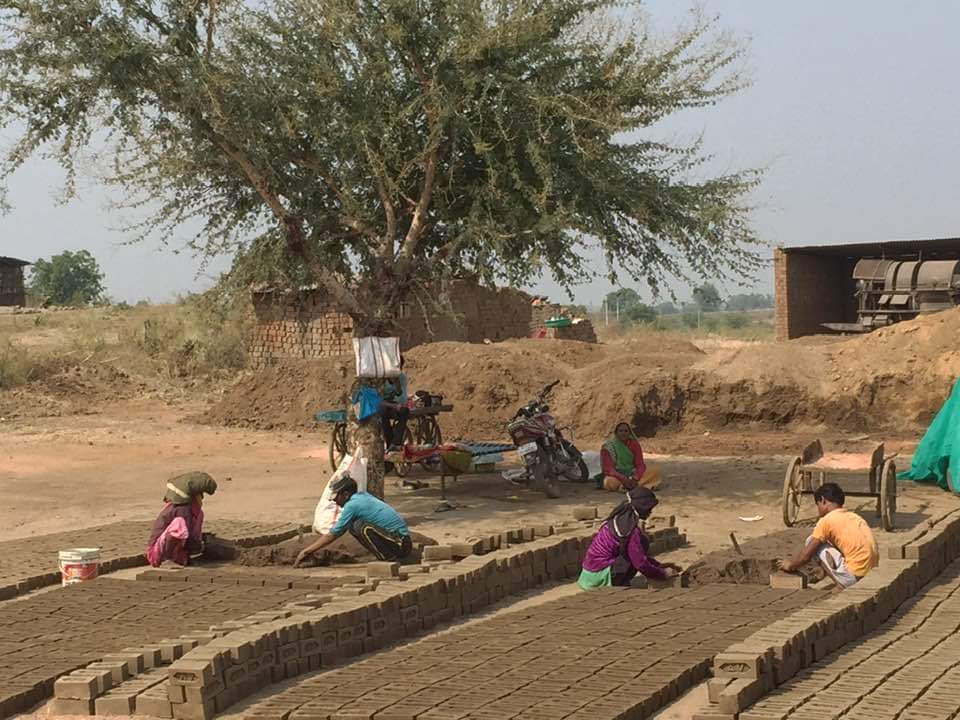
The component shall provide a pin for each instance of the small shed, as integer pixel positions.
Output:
(817, 284)
(12, 289)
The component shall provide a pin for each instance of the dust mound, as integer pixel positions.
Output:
(70, 389)
(894, 378)
(283, 396)
(758, 561)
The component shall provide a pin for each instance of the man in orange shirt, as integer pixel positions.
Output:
(841, 541)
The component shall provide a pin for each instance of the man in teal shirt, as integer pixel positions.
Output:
(375, 525)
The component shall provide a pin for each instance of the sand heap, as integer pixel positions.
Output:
(893, 378)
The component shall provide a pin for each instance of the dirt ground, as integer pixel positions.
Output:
(80, 471)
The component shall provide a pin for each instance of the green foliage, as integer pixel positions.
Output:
(666, 308)
(749, 301)
(622, 299)
(690, 319)
(578, 310)
(641, 313)
(736, 321)
(70, 278)
(707, 297)
(374, 148)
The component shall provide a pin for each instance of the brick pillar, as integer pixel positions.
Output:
(781, 295)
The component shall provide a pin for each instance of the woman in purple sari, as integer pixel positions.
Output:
(620, 549)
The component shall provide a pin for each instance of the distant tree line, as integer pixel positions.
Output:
(706, 298)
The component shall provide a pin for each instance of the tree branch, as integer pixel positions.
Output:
(389, 211)
(423, 206)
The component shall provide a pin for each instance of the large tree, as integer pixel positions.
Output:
(70, 278)
(373, 148)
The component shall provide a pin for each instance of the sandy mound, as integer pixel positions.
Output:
(284, 396)
(69, 389)
(894, 378)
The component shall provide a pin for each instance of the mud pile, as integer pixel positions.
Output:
(284, 396)
(895, 378)
(756, 563)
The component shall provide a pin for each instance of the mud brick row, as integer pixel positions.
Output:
(774, 655)
(31, 564)
(905, 668)
(112, 626)
(222, 673)
(395, 609)
(552, 661)
(248, 578)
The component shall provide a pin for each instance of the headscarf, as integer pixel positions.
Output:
(626, 516)
(622, 455)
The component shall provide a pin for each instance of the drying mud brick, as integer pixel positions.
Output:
(740, 694)
(64, 706)
(585, 512)
(78, 686)
(383, 569)
(116, 703)
(788, 580)
(437, 552)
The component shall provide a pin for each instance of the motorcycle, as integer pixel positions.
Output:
(547, 455)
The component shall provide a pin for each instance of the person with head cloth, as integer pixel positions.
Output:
(620, 549)
(177, 533)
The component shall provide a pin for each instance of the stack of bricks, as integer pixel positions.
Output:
(304, 325)
(301, 329)
(748, 670)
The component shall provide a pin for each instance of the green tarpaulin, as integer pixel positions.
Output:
(937, 459)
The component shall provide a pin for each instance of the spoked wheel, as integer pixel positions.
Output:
(338, 445)
(402, 468)
(792, 482)
(428, 431)
(888, 495)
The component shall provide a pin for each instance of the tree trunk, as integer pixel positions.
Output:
(368, 437)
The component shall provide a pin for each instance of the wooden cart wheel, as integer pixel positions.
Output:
(888, 495)
(338, 445)
(402, 468)
(791, 492)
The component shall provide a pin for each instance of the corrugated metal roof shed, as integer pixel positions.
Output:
(929, 249)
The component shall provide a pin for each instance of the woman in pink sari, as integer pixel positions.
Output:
(178, 530)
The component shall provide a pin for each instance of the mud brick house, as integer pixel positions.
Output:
(816, 284)
(302, 325)
(12, 290)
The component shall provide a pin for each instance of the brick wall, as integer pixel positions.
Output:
(305, 327)
(811, 290)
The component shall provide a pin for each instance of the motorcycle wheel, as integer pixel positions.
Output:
(577, 472)
(544, 480)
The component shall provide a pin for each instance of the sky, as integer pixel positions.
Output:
(853, 111)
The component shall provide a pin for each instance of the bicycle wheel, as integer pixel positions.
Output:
(338, 445)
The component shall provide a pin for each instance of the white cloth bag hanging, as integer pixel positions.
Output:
(377, 357)
(328, 512)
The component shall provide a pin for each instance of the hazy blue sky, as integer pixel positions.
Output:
(854, 108)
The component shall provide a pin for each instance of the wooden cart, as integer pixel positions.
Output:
(811, 469)
(422, 429)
